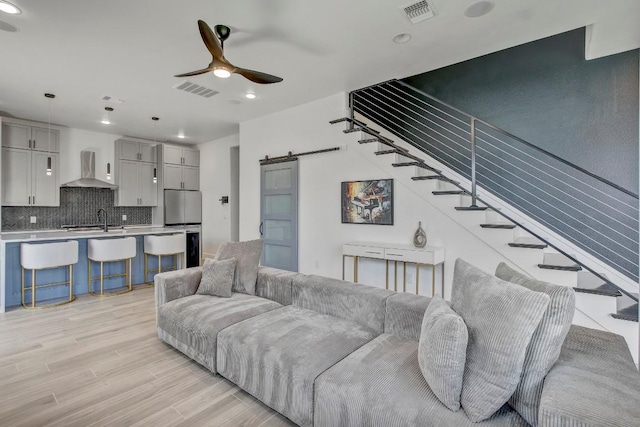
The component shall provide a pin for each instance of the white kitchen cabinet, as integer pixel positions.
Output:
(25, 181)
(136, 150)
(178, 177)
(28, 137)
(181, 168)
(136, 164)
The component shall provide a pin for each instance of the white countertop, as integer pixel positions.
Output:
(40, 235)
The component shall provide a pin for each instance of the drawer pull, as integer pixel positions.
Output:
(373, 252)
(400, 255)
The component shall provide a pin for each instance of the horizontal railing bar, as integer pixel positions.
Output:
(554, 208)
(544, 183)
(546, 164)
(443, 154)
(433, 147)
(572, 258)
(467, 132)
(528, 144)
(570, 237)
(400, 112)
(409, 124)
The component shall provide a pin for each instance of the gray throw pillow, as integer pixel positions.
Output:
(247, 255)
(546, 343)
(501, 318)
(217, 278)
(442, 351)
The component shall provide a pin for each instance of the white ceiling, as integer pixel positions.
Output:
(84, 50)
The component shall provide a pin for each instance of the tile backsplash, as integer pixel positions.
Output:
(77, 206)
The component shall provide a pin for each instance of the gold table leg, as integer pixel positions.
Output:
(417, 278)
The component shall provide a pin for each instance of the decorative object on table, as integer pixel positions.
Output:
(420, 237)
(367, 202)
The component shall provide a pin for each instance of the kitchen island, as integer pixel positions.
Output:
(10, 270)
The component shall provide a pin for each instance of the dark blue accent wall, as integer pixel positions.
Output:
(546, 93)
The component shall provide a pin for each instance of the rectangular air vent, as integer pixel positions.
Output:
(418, 11)
(196, 89)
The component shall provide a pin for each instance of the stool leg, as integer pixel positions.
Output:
(129, 275)
(33, 288)
(22, 286)
(159, 264)
(89, 280)
(101, 278)
(146, 270)
(70, 282)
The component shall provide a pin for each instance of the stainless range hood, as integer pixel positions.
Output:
(88, 174)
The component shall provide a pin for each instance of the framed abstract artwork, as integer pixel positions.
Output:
(367, 202)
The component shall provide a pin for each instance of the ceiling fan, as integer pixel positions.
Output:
(219, 64)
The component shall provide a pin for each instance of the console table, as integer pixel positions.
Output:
(429, 256)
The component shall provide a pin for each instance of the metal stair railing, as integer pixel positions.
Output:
(593, 213)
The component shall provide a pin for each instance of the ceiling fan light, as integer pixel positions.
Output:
(222, 72)
(9, 8)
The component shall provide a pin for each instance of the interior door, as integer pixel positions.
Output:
(279, 215)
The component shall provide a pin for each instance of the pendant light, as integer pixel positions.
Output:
(107, 120)
(49, 96)
(108, 171)
(155, 128)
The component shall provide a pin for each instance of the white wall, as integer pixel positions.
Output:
(321, 233)
(73, 141)
(215, 171)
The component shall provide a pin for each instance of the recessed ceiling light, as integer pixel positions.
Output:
(105, 122)
(402, 38)
(9, 8)
(181, 135)
(250, 95)
(479, 9)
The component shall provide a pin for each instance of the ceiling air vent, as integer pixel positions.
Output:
(418, 11)
(196, 89)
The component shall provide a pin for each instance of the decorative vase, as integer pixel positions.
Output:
(419, 237)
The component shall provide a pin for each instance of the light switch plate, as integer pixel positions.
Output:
(32, 219)
(124, 217)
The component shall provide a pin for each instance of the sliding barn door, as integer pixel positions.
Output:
(279, 215)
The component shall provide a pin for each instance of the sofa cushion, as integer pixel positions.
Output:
(442, 351)
(191, 324)
(217, 278)
(275, 284)
(501, 318)
(247, 255)
(546, 342)
(404, 314)
(362, 304)
(594, 382)
(278, 355)
(380, 384)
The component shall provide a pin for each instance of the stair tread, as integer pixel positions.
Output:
(471, 208)
(528, 245)
(505, 226)
(560, 267)
(606, 290)
(448, 192)
(426, 177)
(629, 313)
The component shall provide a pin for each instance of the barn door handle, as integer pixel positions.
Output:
(261, 225)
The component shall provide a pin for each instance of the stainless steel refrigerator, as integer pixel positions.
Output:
(182, 207)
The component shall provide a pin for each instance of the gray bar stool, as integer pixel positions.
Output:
(164, 245)
(110, 250)
(41, 256)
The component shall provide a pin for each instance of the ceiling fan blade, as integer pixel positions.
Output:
(194, 73)
(210, 40)
(257, 76)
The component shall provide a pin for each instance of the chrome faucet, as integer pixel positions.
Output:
(106, 224)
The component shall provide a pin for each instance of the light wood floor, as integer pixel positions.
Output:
(98, 361)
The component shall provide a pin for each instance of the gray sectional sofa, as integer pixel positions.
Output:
(325, 352)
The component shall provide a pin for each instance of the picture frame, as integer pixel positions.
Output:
(367, 202)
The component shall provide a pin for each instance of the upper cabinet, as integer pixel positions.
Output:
(177, 155)
(181, 168)
(28, 137)
(25, 157)
(136, 173)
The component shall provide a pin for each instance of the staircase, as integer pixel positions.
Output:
(606, 297)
